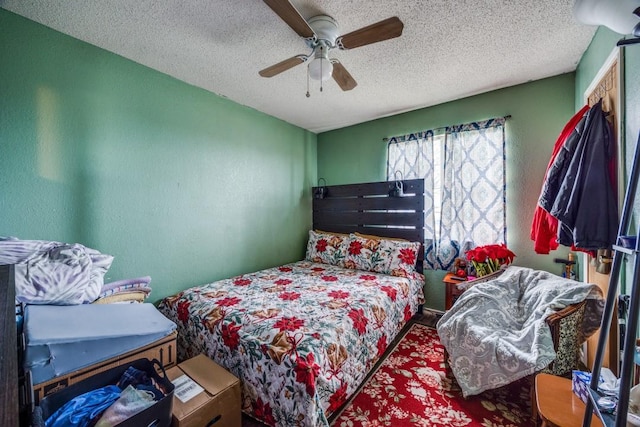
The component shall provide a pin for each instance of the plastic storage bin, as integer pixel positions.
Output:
(157, 415)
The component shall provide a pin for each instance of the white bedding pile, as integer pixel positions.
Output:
(53, 272)
(496, 331)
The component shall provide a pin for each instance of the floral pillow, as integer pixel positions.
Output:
(367, 254)
(380, 255)
(403, 258)
(327, 248)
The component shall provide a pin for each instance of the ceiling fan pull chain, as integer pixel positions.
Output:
(308, 94)
(321, 62)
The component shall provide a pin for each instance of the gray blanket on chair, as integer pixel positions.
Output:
(496, 331)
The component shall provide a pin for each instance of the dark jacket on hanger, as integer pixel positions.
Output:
(578, 190)
(544, 227)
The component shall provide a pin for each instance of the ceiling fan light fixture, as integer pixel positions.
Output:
(320, 68)
(321, 35)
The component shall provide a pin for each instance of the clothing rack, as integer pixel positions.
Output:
(622, 249)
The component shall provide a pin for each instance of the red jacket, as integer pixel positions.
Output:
(544, 228)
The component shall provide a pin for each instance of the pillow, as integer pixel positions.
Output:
(333, 233)
(326, 248)
(381, 255)
(367, 254)
(373, 237)
(404, 256)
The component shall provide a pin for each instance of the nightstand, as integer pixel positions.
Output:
(452, 291)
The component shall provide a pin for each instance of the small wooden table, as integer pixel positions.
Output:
(452, 291)
(557, 405)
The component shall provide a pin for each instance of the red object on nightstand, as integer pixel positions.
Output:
(452, 292)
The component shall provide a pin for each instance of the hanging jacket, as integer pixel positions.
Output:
(544, 227)
(578, 190)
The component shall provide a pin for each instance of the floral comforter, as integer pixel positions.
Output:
(300, 337)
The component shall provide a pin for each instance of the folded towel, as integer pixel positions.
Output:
(138, 287)
(125, 282)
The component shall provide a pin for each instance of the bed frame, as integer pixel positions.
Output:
(373, 208)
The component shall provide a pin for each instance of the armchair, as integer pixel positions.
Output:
(514, 323)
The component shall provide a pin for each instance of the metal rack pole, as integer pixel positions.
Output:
(607, 316)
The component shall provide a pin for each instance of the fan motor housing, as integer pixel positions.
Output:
(326, 28)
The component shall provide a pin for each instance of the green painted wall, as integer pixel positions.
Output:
(539, 111)
(174, 181)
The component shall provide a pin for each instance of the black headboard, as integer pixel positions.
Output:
(369, 209)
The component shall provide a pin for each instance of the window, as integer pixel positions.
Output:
(464, 171)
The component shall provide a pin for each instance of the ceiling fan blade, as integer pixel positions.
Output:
(289, 14)
(342, 76)
(380, 31)
(282, 66)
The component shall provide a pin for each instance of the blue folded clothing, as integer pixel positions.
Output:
(81, 410)
(85, 409)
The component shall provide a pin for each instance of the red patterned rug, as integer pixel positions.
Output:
(411, 388)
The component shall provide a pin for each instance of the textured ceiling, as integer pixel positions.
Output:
(448, 50)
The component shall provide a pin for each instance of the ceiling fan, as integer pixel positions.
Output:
(321, 34)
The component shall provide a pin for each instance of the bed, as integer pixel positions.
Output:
(302, 337)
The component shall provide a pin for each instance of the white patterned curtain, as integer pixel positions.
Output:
(413, 156)
(473, 198)
(464, 186)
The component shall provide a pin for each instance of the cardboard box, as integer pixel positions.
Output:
(164, 350)
(205, 394)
